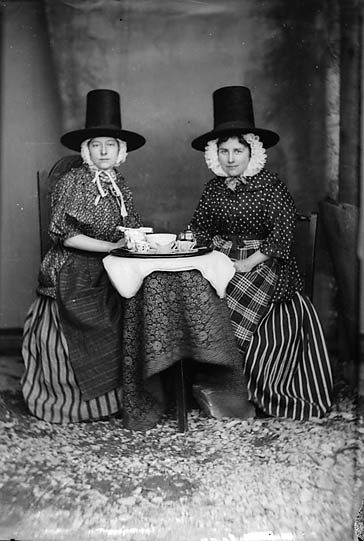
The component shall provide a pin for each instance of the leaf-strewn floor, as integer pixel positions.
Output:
(227, 479)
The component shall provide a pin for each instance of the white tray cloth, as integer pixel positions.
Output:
(127, 274)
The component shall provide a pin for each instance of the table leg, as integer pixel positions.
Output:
(180, 389)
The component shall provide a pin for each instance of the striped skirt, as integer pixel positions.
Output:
(286, 366)
(49, 386)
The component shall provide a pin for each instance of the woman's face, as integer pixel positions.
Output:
(233, 156)
(104, 151)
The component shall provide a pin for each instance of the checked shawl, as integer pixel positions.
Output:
(249, 295)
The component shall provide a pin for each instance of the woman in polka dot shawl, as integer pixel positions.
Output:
(70, 347)
(247, 212)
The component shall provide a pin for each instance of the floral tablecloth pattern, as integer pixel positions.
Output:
(174, 316)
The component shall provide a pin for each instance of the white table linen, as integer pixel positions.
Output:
(127, 274)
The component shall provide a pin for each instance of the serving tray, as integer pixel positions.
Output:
(124, 252)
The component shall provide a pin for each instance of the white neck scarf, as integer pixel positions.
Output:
(106, 176)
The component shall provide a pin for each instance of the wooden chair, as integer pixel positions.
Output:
(45, 184)
(304, 249)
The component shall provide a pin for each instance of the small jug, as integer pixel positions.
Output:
(187, 234)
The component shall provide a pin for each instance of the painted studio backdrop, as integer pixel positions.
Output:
(165, 59)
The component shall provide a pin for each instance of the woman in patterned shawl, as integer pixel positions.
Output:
(71, 346)
(247, 212)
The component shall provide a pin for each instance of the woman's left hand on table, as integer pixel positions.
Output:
(120, 243)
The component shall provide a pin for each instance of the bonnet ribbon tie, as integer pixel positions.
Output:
(109, 178)
(233, 182)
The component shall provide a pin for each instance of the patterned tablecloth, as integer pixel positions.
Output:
(174, 316)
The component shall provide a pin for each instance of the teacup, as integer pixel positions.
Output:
(163, 243)
(141, 247)
(133, 236)
(185, 245)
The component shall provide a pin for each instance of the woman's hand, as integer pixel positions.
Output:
(244, 265)
(89, 244)
(120, 243)
(248, 264)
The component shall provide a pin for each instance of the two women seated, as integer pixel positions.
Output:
(245, 211)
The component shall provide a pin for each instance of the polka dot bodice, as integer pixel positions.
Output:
(260, 209)
(74, 212)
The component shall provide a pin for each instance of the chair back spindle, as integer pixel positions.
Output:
(304, 249)
(45, 185)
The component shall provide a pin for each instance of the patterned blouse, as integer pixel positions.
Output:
(260, 209)
(74, 212)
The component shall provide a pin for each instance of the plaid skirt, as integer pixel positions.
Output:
(285, 356)
(49, 385)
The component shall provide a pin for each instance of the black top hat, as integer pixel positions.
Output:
(103, 119)
(233, 113)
